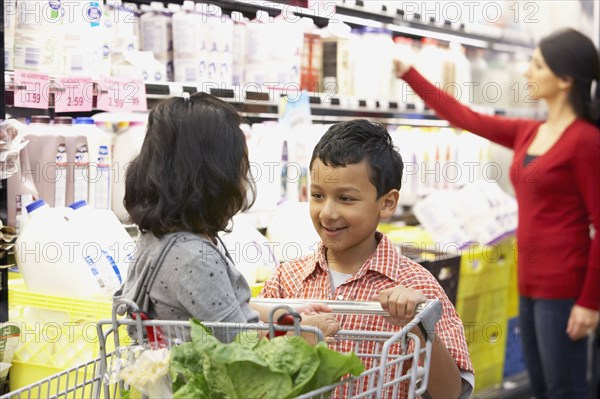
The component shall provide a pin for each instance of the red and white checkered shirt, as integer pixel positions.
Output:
(309, 278)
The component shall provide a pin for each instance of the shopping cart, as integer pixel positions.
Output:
(391, 364)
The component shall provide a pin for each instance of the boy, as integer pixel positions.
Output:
(356, 174)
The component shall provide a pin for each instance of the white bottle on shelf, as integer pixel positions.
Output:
(240, 27)
(39, 40)
(98, 145)
(127, 146)
(259, 49)
(337, 70)
(157, 35)
(401, 92)
(189, 36)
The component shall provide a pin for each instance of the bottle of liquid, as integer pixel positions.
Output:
(127, 146)
(39, 40)
(101, 231)
(238, 48)
(259, 49)
(94, 158)
(337, 70)
(157, 35)
(312, 57)
(401, 92)
(63, 127)
(189, 35)
(48, 258)
(46, 152)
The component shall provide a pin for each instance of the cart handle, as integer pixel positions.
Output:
(339, 307)
(429, 312)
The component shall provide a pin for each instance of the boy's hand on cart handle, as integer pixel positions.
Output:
(326, 322)
(400, 67)
(582, 322)
(312, 308)
(400, 302)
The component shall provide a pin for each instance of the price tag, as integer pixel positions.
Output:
(122, 95)
(74, 94)
(31, 89)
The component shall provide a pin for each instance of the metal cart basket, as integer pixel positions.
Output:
(392, 368)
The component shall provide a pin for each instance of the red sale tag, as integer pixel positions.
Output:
(31, 89)
(122, 95)
(74, 94)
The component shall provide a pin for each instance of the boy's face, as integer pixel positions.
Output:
(344, 207)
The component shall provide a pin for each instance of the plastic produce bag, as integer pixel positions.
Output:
(148, 372)
(12, 141)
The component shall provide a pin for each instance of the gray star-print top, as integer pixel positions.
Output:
(195, 279)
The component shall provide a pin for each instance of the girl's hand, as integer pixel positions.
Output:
(581, 322)
(400, 302)
(400, 68)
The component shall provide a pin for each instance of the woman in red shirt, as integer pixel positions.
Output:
(556, 175)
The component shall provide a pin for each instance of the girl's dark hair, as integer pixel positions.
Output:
(192, 171)
(571, 54)
(353, 141)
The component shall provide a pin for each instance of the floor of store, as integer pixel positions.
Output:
(516, 387)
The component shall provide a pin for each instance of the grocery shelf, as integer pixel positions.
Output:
(260, 103)
(394, 20)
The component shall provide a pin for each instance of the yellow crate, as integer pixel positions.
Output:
(512, 307)
(57, 333)
(482, 309)
(22, 374)
(256, 288)
(487, 347)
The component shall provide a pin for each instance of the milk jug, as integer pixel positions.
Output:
(101, 230)
(48, 258)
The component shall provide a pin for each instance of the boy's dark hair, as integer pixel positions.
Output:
(350, 142)
(192, 171)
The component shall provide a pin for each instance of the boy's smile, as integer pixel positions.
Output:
(345, 212)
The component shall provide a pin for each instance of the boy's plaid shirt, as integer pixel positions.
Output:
(309, 278)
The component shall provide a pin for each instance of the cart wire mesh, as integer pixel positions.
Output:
(391, 369)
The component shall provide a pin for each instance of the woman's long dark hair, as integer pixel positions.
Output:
(571, 54)
(192, 171)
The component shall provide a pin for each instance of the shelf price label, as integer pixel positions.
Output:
(31, 89)
(116, 94)
(74, 94)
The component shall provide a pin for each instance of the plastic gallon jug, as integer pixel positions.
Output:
(292, 243)
(46, 257)
(60, 252)
(105, 236)
(252, 254)
(127, 146)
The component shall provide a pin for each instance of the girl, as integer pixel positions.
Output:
(555, 172)
(190, 178)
